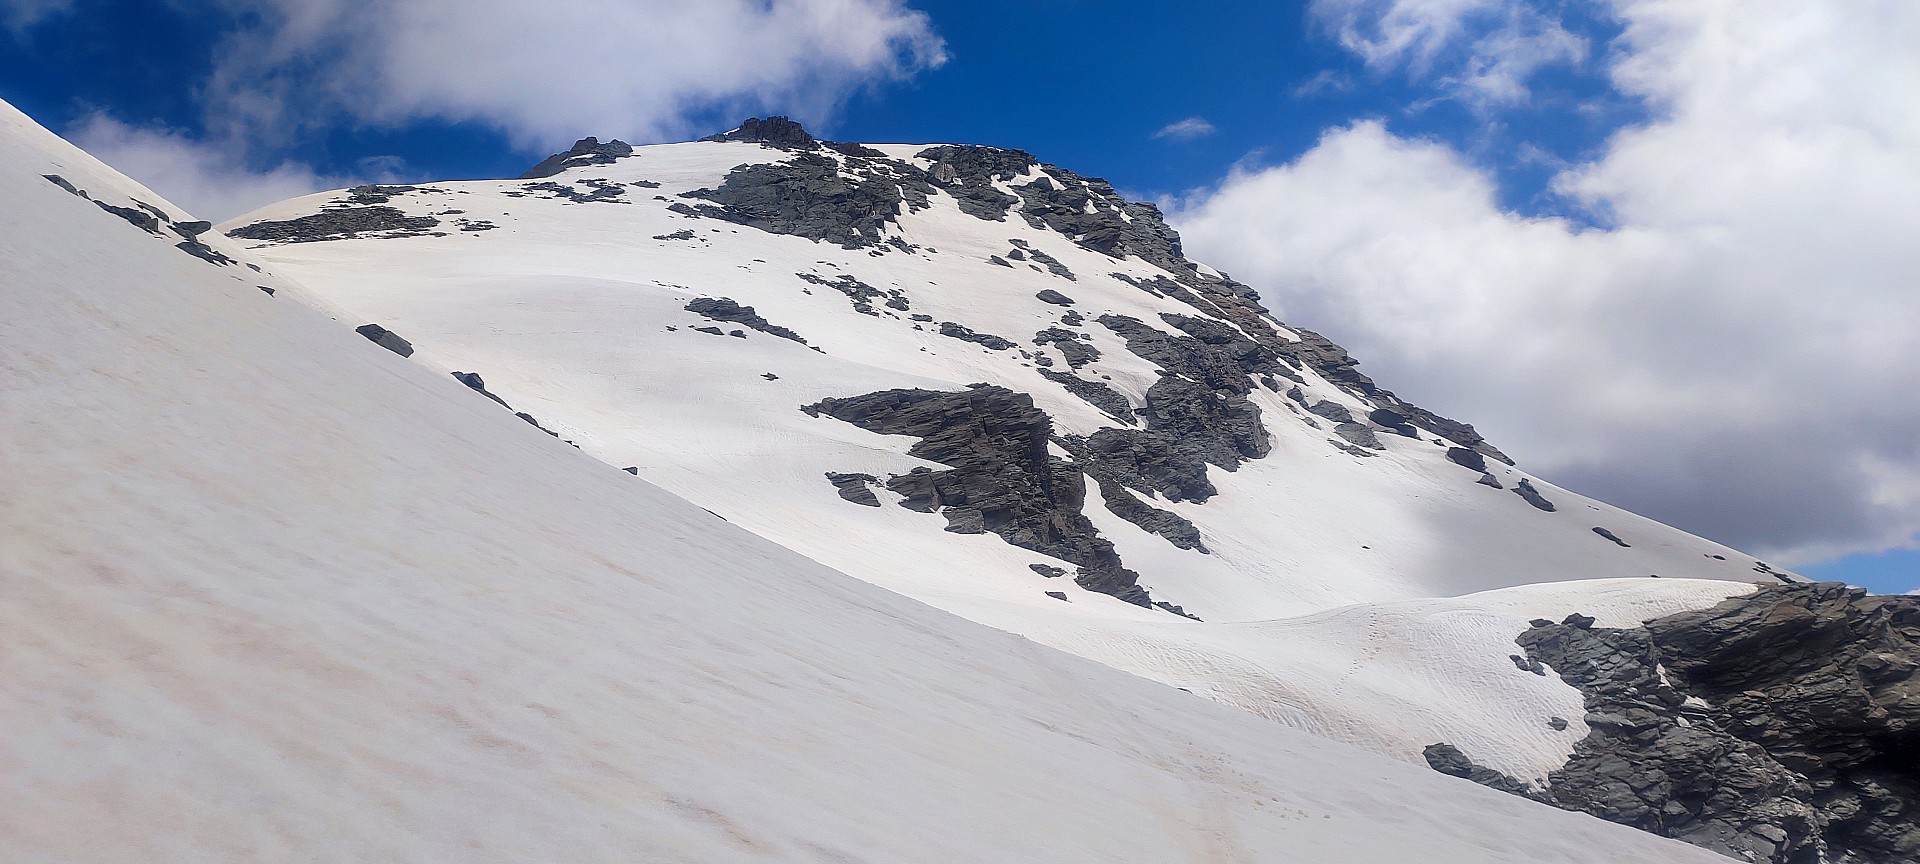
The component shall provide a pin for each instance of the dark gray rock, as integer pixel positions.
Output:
(1054, 297)
(600, 192)
(847, 148)
(1490, 481)
(1172, 527)
(1068, 343)
(136, 217)
(1097, 394)
(968, 173)
(1612, 536)
(1196, 415)
(1557, 724)
(586, 151)
(1359, 435)
(203, 252)
(1336, 365)
(365, 195)
(385, 338)
(1058, 595)
(725, 310)
(1779, 726)
(1472, 460)
(1047, 570)
(479, 385)
(862, 295)
(1525, 490)
(682, 234)
(191, 230)
(1001, 478)
(808, 196)
(1393, 421)
(1331, 410)
(62, 182)
(1447, 759)
(780, 133)
(986, 340)
(1041, 258)
(340, 223)
(855, 488)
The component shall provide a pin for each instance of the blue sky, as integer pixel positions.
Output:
(1660, 251)
(1266, 78)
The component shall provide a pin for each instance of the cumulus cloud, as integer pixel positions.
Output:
(1481, 51)
(1735, 353)
(548, 73)
(207, 180)
(1186, 130)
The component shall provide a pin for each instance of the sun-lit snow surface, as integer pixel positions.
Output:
(575, 312)
(273, 593)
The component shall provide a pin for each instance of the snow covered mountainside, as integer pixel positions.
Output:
(272, 592)
(998, 387)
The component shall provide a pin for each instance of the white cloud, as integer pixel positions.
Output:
(1736, 355)
(206, 180)
(1480, 51)
(1186, 130)
(548, 73)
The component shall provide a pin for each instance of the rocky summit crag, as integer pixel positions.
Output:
(1782, 726)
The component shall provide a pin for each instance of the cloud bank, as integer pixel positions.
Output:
(548, 73)
(1737, 353)
(543, 74)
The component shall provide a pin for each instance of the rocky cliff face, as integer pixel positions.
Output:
(1783, 726)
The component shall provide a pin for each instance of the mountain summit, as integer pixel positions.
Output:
(601, 510)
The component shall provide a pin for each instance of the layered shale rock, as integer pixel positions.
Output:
(1001, 478)
(1782, 726)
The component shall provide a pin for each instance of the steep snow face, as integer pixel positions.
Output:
(712, 314)
(272, 592)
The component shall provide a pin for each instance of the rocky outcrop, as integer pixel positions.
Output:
(726, 310)
(1196, 415)
(586, 151)
(856, 488)
(862, 295)
(969, 174)
(1782, 726)
(1612, 536)
(777, 132)
(1336, 365)
(1069, 344)
(988, 341)
(338, 223)
(1525, 490)
(810, 196)
(1175, 529)
(1000, 478)
(1095, 393)
(385, 338)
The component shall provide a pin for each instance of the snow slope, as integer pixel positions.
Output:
(274, 593)
(575, 312)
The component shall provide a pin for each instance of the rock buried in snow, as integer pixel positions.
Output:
(855, 488)
(1525, 490)
(1054, 297)
(1471, 460)
(1612, 536)
(385, 338)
